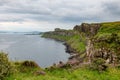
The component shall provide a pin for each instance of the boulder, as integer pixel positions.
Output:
(40, 73)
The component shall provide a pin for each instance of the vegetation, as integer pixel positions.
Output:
(63, 74)
(98, 64)
(108, 28)
(108, 40)
(109, 35)
(77, 42)
(5, 66)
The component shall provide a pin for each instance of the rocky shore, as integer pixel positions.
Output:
(73, 61)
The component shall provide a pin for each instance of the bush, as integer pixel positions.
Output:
(29, 64)
(5, 66)
(98, 64)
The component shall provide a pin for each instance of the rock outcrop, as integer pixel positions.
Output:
(89, 29)
(92, 53)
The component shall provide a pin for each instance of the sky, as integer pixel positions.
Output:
(45, 15)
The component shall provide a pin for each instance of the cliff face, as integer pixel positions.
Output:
(105, 44)
(95, 43)
(109, 56)
(89, 29)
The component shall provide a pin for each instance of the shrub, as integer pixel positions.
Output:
(98, 64)
(5, 66)
(29, 64)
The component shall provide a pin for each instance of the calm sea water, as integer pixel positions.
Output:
(43, 51)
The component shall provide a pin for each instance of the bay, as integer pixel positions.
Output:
(44, 52)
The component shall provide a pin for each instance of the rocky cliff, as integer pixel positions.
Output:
(89, 29)
(96, 43)
(104, 45)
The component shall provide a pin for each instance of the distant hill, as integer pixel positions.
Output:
(26, 33)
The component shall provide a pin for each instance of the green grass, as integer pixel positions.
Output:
(63, 74)
(77, 42)
(108, 28)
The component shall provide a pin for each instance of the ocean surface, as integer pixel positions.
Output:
(44, 52)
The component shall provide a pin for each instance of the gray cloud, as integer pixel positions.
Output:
(59, 11)
(3, 2)
(113, 8)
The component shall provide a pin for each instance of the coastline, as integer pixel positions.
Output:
(74, 58)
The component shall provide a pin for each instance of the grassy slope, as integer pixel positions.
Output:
(78, 43)
(108, 28)
(63, 74)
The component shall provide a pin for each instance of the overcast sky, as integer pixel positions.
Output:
(45, 15)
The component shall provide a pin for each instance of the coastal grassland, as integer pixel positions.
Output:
(108, 28)
(67, 74)
(77, 42)
(26, 70)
